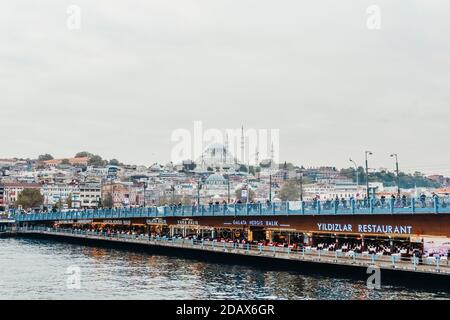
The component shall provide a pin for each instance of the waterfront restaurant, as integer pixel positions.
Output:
(363, 232)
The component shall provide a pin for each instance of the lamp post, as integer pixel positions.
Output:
(198, 191)
(301, 184)
(398, 177)
(367, 173)
(357, 173)
(270, 188)
(172, 188)
(145, 187)
(228, 188)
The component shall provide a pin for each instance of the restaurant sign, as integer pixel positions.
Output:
(256, 223)
(364, 228)
(85, 221)
(187, 222)
(156, 221)
(120, 222)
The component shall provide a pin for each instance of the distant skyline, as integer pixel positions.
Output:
(138, 70)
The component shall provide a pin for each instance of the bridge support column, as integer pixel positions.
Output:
(250, 234)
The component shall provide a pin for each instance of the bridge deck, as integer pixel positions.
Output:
(285, 208)
(436, 267)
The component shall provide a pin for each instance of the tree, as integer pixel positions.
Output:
(114, 162)
(100, 203)
(243, 168)
(65, 162)
(251, 195)
(45, 157)
(83, 154)
(69, 200)
(290, 191)
(96, 161)
(389, 179)
(30, 198)
(107, 201)
(286, 166)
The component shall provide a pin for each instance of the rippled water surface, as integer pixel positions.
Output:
(37, 269)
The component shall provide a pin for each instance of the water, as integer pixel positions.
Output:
(37, 269)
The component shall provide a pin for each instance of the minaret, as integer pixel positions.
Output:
(225, 148)
(271, 153)
(242, 145)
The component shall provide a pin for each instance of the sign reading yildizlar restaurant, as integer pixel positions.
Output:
(364, 228)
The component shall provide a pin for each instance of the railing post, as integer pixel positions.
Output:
(371, 205)
(436, 204)
(318, 207)
(335, 206)
(246, 209)
(413, 205)
(287, 207)
(303, 207)
(352, 204)
(392, 202)
(260, 209)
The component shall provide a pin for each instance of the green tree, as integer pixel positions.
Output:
(107, 201)
(96, 161)
(114, 162)
(30, 198)
(389, 179)
(251, 195)
(287, 166)
(45, 157)
(290, 191)
(83, 154)
(243, 168)
(69, 200)
(65, 162)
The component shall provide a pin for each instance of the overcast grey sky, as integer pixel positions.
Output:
(138, 70)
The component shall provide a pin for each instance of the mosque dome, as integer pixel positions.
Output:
(216, 179)
(216, 155)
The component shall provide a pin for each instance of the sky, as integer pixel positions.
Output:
(135, 72)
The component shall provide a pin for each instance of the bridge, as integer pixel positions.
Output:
(295, 208)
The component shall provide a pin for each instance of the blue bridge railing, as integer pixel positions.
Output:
(333, 207)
